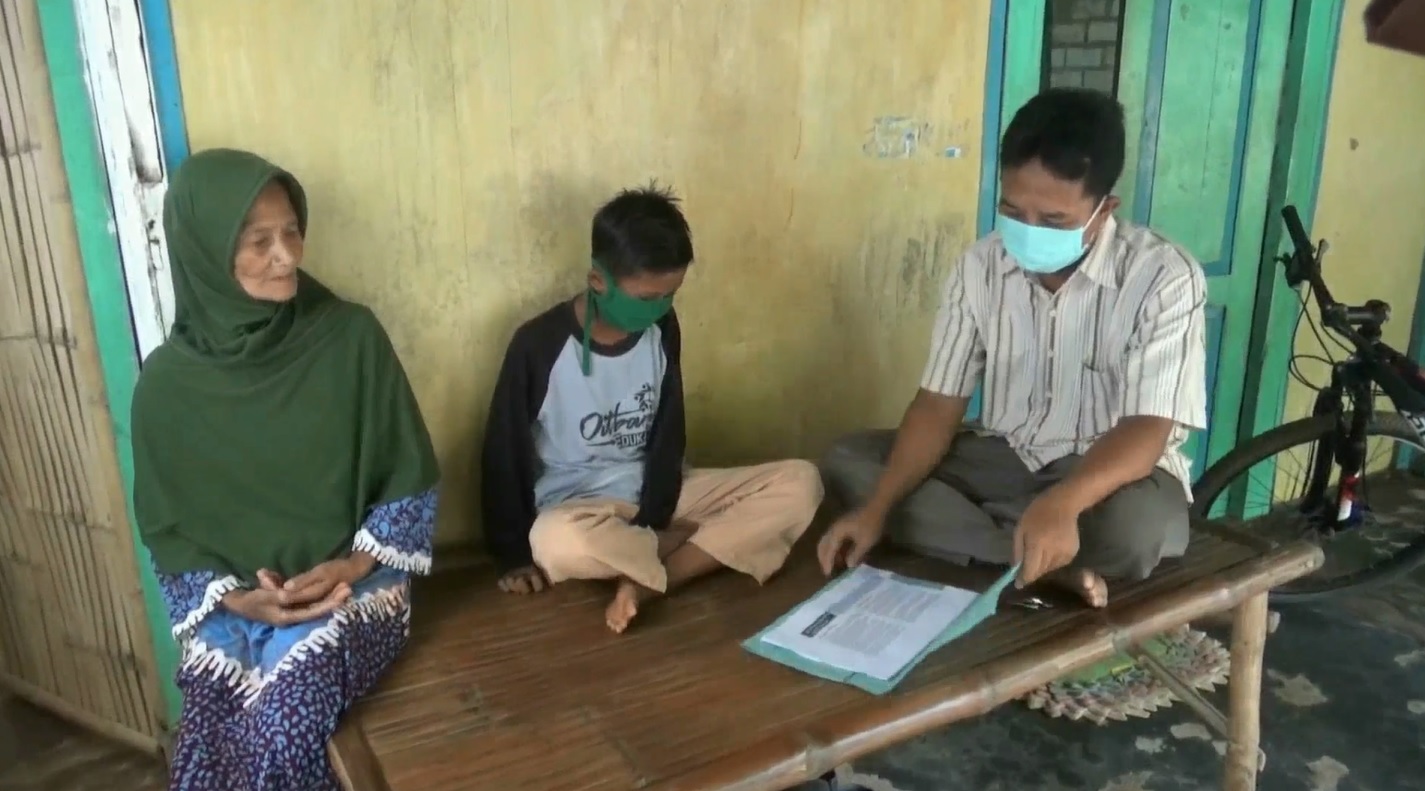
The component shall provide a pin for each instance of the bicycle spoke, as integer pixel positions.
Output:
(1386, 519)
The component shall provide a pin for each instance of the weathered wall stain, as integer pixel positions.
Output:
(899, 137)
(908, 271)
(455, 150)
(895, 137)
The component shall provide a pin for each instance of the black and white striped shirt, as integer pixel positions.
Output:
(1123, 336)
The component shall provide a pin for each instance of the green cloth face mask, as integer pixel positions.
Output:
(620, 310)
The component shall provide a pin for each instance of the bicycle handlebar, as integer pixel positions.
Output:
(1305, 259)
(1373, 312)
(1305, 264)
(1296, 231)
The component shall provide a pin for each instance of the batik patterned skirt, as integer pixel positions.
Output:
(260, 702)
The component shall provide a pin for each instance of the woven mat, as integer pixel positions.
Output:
(1119, 688)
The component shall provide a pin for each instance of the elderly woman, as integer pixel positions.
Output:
(284, 484)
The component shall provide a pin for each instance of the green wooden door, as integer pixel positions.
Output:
(1201, 85)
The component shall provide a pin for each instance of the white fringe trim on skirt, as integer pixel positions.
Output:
(247, 683)
(409, 562)
(212, 597)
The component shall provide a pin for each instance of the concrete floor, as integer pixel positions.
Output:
(1344, 710)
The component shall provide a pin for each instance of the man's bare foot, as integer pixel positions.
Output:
(1085, 583)
(624, 608)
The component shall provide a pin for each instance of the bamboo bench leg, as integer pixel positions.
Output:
(355, 765)
(1249, 637)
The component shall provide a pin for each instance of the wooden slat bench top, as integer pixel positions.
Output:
(533, 692)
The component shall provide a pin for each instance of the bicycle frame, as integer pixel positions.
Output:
(1373, 365)
(1355, 380)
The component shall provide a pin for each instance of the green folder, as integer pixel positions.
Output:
(982, 607)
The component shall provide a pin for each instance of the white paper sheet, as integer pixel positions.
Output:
(870, 621)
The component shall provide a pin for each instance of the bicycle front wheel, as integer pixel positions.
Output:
(1260, 486)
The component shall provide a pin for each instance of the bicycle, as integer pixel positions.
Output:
(1333, 503)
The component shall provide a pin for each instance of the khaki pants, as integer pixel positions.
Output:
(745, 518)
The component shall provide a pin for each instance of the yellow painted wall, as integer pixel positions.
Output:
(1371, 206)
(455, 150)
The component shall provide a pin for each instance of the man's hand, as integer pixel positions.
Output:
(849, 539)
(265, 605)
(527, 579)
(1047, 536)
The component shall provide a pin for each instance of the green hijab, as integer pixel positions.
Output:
(263, 431)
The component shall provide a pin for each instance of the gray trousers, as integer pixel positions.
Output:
(970, 505)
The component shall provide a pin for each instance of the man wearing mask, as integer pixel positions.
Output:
(583, 464)
(1086, 334)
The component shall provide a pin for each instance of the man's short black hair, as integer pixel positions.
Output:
(1075, 133)
(642, 230)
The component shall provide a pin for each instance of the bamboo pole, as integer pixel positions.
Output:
(1204, 709)
(63, 708)
(1249, 638)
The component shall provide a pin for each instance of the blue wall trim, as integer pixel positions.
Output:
(1417, 321)
(1409, 457)
(989, 137)
(1197, 444)
(1296, 178)
(994, 101)
(163, 70)
(1152, 112)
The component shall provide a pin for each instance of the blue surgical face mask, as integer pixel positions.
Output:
(1043, 251)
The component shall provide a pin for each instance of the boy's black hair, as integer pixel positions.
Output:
(1075, 133)
(642, 230)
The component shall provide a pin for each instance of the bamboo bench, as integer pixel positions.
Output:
(509, 692)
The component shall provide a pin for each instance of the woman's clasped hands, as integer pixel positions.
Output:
(305, 597)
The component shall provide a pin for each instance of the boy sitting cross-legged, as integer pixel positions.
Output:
(583, 462)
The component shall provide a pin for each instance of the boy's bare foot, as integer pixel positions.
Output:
(1085, 583)
(624, 608)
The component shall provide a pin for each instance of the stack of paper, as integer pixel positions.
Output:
(870, 627)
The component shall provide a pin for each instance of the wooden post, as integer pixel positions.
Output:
(1249, 637)
(353, 762)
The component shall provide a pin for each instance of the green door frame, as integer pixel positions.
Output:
(1294, 176)
(1296, 180)
(106, 287)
